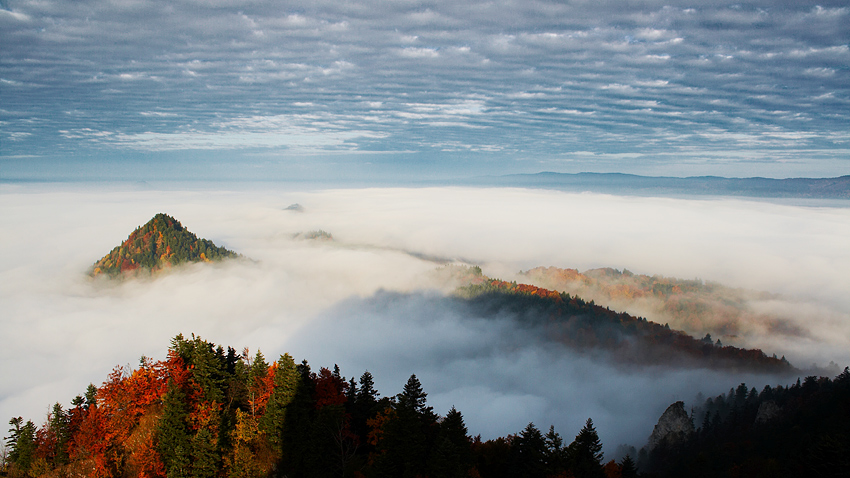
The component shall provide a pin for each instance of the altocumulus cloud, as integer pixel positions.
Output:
(369, 300)
(685, 87)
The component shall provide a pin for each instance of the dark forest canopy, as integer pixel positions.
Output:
(209, 412)
(582, 325)
(793, 431)
(161, 243)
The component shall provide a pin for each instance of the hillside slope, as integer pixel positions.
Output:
(798, 430)
(694, 306)
(585, 326)
(161, 243)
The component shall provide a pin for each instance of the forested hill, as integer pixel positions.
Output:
(209, 413)
(799, 430)
(695, 306)
(585, 326)
(161, 243)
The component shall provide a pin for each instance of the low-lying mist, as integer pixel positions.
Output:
(499, 372)
(369, 299)
(740, 317)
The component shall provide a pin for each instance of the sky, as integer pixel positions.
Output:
(374, 299)
(400, 91)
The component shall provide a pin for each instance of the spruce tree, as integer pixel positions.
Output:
(21, 443)
(529, 450)
(586, 453)
(205, 455)
(453, 454)
(286, 381)
(91, 396)
(363, 404)
(556, 453)
(174, 443)
(628, 468)
(403, 448)
(207, 371)
(58, 426)
(297, 454)
(367, 396)
(351, 395)
(413, 398)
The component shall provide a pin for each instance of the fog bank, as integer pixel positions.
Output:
(500, 374)
(320, 300)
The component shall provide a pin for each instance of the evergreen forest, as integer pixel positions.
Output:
(207, 411)
(583, 326)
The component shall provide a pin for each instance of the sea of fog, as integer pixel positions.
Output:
(369, 300)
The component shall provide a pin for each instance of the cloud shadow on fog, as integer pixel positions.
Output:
(499, 371)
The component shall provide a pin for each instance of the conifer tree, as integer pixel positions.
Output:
(586, 453)
(207, 371)
(351, 395)
(91, 396)
(21, 443)
(452, 456)
(403, 447)
(628, 468)
(529, 449)
(363, 405)
(556, 453)
(175, 446)
(59, 434)
(413, 398)
(205, 454)
(297, 454)
(286, 381)
(258, 370)
(366, 398)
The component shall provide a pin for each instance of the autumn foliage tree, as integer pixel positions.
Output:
(209, 413)
(206, 412)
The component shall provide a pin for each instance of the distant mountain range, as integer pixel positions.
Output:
(618, 183)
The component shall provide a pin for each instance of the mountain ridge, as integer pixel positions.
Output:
(812, 188)
(583, 326)
(693, 305)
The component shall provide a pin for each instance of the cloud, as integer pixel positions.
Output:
(368, 300)
(207, 63)
(499, 375)
(294, 133)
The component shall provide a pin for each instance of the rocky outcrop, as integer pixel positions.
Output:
(673, 428)
(767, 411)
